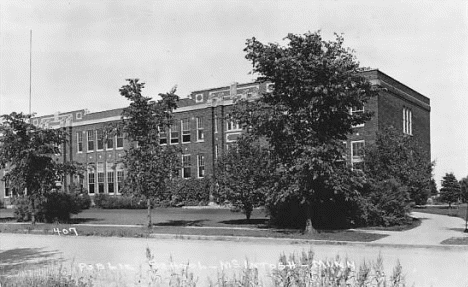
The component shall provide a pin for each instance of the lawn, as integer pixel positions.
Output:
(458, 211)
(178, 221)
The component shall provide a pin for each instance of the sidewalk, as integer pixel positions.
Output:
(433, 230)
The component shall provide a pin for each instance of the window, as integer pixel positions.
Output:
(163, 137)
(79, 116)
(174, 134)
(216, 151)
(110, 181)
(110, 142)
(357, 111)
(91, 182)
(79, 141)
(200, 131)
(216, 124)
(7, 188)
(186, 166)
(120, 179)
(201, 165)
(185, 130)
(100, 139)
(90, 134)
(345, 152)
(407, 121)
(232, 125)
(35, 122)
(119, 143)
(101, 182)
(357, 151)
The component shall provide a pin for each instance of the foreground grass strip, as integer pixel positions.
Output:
(293, 270)
(69, 230)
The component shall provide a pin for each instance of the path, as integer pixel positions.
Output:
(434, 229)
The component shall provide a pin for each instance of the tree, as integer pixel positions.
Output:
(464, 189)
(243, 174)
(149, 164)
(398, 156)
(31, 154)
(307, 116)
(433, 187)
(450, 191)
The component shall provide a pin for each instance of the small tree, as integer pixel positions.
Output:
(464, 189)
(243, 174)
(433, 187)
(450, 191)
(306, 117)
(398, 156)
(31, 154)
(149, 164)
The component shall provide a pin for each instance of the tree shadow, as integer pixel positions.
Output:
(457, 229)
(181, 223)
(259, 222)
(84, 220)
(7, 219)
(20, 259)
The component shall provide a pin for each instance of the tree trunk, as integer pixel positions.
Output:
(33, 211)
(150, 224)
(309, 229)
(248, 213)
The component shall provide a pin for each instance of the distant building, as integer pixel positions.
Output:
(204, 131)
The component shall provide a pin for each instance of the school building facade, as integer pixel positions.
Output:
(203, 130)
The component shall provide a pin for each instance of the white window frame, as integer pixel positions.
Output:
(90, 134)
(186, 164)
(165, 132)
(79, 139)
(119, 132)
(407, 121)
(120, 174)
(356, 159)
(171, 130)
(94, 182)
(185, 132)
(200, 129)
(201, 164)
(353, 111)
(231, 124)
(97, 140)
(113, 180)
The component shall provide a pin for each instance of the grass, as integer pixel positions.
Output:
(456, 241)
(302, 269)
(177, 221)
(458, 211)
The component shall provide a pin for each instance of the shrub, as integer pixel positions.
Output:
(384, 203)
(106, 201)
(83, 200)
(1, 204)
(189, 191)
(22, 210)
(58, 206)
(52, 207)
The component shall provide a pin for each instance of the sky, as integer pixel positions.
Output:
(82, 52)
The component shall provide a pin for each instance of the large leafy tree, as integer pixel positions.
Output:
(243, 175)
(31, 154)
(149, 164)
(450, 191)
(464, 189)
(307, 116)
(395, 155)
